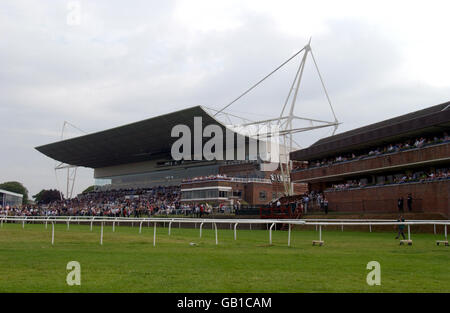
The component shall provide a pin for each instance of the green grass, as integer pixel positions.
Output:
(128, 262)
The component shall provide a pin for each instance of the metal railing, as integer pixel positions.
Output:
(214, 222)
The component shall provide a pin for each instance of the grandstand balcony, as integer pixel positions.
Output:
(425, 156)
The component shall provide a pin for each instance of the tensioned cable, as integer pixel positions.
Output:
(259, 82)
(79, 129)
(230, 114)
(323, 86)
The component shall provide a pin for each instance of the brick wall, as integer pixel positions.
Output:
(428, 197)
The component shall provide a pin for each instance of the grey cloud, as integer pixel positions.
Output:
(126, 63)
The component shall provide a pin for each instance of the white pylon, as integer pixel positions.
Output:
(285, 129)
(71, 169)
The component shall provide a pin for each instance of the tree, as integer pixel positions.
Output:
(89, 189)
(47, 196)
(14, 186)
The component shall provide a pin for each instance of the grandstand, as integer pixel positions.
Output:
(135, 155)
(397, 165)
(138, 156)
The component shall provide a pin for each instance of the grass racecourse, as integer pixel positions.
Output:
(128, 262)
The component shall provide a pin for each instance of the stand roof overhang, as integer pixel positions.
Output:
(137, 142)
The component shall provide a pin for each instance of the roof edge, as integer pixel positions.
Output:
(121, 126)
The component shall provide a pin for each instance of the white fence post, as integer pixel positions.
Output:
(101, 235)
(235, 226)
(170, 226)
(154, 234)
(201, 226)
(215, 227)
(53, 233)
(140, 227)
(270, 233)
(289, 235)
(320, 232)
(409, 233)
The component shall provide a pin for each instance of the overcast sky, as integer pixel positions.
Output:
(116, 62)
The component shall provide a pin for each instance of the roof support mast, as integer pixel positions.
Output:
(285, 170)
(71, 169)
(284, 122)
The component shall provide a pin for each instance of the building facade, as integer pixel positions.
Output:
(398, 165)
(216, 190)
(10, 199)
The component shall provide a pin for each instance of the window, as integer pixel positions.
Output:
(262, 195)
(212, 193)
(187, 195)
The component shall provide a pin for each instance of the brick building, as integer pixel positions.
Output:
(371, 168)
(243, 183)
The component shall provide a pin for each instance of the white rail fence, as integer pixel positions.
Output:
(270, 223)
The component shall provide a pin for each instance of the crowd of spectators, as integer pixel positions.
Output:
(303, 203)
(313, 200)
(422, 176)
(391, 148)
(210, 177)
(113, 203)
(118, 203)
